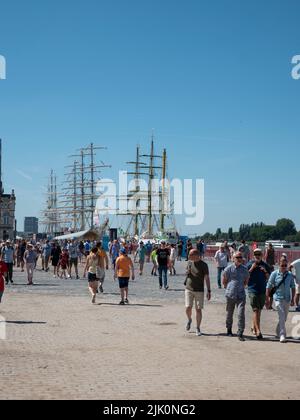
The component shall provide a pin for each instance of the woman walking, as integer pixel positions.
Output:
(55, 256)
(91, 268)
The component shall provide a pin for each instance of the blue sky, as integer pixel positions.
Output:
(213, 78)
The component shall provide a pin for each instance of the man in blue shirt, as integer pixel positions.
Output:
(141, 253)
(114, 252)
(259, 275)
(283, 281)
(46, 254)
(235, 280)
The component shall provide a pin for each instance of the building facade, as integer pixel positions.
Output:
(7, 209)
(31, 225)
(7, 216)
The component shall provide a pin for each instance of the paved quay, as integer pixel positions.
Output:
(60, 346)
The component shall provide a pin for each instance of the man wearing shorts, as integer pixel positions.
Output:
(259, 275)
(197, 275)
(295, 266)
(103, 263)
(124, 267)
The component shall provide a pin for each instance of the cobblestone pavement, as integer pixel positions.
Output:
(60, 346)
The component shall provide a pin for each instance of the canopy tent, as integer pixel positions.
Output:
(92, 235)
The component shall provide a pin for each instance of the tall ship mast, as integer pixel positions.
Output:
(79, 192)
(50, 216)
(73, 208)
(148, 209)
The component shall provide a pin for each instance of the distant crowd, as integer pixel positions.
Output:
(269, 283)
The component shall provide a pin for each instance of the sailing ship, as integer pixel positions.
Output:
(148, 214)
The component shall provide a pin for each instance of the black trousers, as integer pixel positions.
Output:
(9, 274)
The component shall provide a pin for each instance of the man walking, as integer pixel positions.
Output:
(295, 266)
(259, 275)
(163, 262)
(74, 252)
(123, 269)
(141, 254)
(235, 280)
(221, 259)
(30, 260)
(281, 283)
(197, 275)
(114, 252)
(46, 254)
(270, 256)
(245, 251)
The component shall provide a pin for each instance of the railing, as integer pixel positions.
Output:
(292, 254)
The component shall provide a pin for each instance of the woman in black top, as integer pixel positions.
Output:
(55, 256)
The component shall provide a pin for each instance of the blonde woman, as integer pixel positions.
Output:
(91, 268)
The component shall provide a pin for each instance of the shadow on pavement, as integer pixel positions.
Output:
(130, 305)
(176, 290)
(267, 338)
(24, 322)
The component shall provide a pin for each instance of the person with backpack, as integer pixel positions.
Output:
(279, 286)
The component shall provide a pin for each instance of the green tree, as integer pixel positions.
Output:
(218, 233)
(284, 228)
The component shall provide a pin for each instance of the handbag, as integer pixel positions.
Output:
(189, 268)
(275, 288)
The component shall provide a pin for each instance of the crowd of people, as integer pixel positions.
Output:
(267, 286)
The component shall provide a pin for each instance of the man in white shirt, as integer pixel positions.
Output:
(221, 259)
(295, 266)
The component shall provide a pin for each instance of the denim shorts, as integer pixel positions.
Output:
(123, 282)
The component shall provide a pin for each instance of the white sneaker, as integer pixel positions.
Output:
(282, 339)
(198, 332)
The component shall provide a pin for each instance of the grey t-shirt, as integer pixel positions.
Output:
(196, 272)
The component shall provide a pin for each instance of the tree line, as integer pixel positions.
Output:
(284, 229)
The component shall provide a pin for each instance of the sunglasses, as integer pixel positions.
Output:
(283, 266)
(239, 258)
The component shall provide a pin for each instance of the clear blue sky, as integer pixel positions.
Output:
(213, 78)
